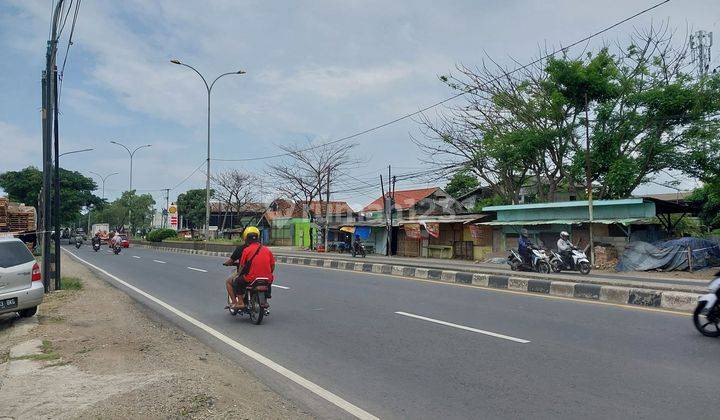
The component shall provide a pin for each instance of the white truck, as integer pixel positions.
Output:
(103, 228)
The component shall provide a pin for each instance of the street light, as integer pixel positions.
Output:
(207, 179)
(56, 211)
(131, 155)
(104, 178)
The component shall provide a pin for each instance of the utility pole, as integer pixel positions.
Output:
(327, 211)
(167, 207)
(47, 121)
(392, 209)
(588, 178)
(388, 216)
(384, 202)
(700, 43)
(56, 201)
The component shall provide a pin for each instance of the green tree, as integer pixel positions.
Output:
(527, 130)
(191, 205)
(76, 190)
(461, 183)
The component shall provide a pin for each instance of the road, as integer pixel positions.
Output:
(401, 348)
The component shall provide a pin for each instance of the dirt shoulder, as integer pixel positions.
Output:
(98, 354)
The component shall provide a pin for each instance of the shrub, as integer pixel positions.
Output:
(158, 235)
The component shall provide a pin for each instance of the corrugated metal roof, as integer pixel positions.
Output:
(565, 204)
(404, 199)
(560, 222)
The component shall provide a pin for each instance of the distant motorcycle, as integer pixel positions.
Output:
(579, 262)
(116, 249)
(706, 316)
(539, 261)
(78, 243)
(358, 248)
(96, 246)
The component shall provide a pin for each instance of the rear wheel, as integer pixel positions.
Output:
(28, 312)
(584, 267)
(543, 267)
(556, 266)
(256, 311)
(514, 265)
(705, 321)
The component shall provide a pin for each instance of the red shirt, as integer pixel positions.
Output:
(262, 265)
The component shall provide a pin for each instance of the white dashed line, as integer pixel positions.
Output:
(197, 269)
(160, 262)
(280, 287)
(281, 370)
(462, 327)
(135, 256)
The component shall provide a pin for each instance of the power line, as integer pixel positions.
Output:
(457, 95)
(67, 50)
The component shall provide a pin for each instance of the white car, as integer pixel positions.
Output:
(21, 286)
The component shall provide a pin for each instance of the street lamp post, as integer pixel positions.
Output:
(104, 178)
(208, 87)
(56, 211)
(131, 153)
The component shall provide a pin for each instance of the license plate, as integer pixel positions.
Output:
(8, 303)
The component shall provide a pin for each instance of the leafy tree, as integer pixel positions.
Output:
(461, 183)
(191, 205)
(527, 129)
(129, 209)
(75, 190)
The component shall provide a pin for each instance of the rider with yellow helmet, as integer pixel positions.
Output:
(250, 235)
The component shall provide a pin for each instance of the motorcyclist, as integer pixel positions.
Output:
(96, 239)
(117, 240)
(234, 259)
(565, 247)
(257, 261)
(357, 244)
(525, 245)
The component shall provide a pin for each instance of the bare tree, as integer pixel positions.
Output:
(236, 191)
(308, 170)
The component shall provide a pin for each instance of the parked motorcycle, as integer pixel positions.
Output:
(579, 262)
(255, 297)
(539, 261)
(358, 248)
(706, 316)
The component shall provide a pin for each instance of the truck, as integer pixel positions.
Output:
(103, 228)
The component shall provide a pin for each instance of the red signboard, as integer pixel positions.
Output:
(433, 229)
(412, 230)
(173, 221)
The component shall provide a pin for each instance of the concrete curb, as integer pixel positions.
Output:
(664, 299)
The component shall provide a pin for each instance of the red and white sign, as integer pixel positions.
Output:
(173, 216)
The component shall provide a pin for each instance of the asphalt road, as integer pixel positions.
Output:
(476, 353)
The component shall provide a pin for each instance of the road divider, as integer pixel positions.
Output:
(632, 295)
(463, 327)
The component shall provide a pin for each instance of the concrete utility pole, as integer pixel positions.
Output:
(588, 178)
(167, 208)
(384, 203)
(700, 43)
(208, 87)
(48, 88)
(327, 211)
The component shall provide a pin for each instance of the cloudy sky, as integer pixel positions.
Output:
(316, 71)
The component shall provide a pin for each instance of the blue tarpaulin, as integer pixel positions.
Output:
(670, 255)
(362, 231)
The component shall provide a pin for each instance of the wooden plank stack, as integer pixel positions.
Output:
(16, 217)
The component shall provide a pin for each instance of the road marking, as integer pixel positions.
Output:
(462, 327)
(280, 287)
(197, 269)
(287, 373)
(135, 256)
(160, 262)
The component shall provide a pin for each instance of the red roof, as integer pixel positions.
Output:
(336, 207)
(404, 200)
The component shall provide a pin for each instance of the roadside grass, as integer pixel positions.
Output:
(48, 353)
(70, 283)
(4, 357)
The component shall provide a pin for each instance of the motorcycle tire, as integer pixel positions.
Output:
(514, 266)
(701, 326)
(543, 267)
(256, 311)
(584, 267)
(556, 266)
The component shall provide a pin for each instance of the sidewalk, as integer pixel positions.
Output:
(96, 353)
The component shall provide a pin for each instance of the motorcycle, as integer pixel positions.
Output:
(96, 246)
(358, 248)
(539, 261)
(706, 316)
(255, 297)
(579, 262)
(116, 249)
(78, 243)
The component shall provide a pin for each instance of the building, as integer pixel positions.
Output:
(301, 223)
(413, 203)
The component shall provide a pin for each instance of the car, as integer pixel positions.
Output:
(125, 240)
(21, 286)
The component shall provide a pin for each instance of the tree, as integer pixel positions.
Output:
(461, 183)
(235, 190)
(191, 205)
(76, 190)
(526, 130)
(129, 209)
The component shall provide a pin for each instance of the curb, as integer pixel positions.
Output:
(662, 299)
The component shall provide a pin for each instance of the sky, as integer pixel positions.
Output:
(316, 71)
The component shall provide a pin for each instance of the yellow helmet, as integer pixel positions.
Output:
(251, 229)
